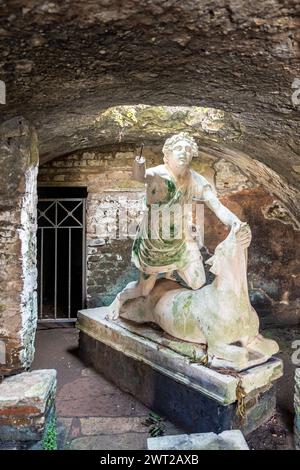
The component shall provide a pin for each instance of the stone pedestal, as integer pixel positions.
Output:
(227, 440)
(167, 376)
(297, 410)
(27, 404)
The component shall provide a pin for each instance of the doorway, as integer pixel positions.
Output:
(61, 254)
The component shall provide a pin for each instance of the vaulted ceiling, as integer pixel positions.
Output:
(65, 62)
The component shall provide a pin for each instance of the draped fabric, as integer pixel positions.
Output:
(164, 240)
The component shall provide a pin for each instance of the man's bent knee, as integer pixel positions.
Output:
(193, 280)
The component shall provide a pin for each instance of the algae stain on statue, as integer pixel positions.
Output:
(184, 322)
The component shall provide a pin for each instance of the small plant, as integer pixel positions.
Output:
(156, 425)
(49, 441)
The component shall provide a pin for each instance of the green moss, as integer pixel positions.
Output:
(123, 116)
(34, 153)
(184, 322)
(49, 441)
(154, 114)
(187, 349)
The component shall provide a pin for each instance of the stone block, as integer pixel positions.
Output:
(128, 441)
(227, 440)
(297, 405)
(167, 375)
(297, 410)
(297, 438)
(297, 377)
(26, 402)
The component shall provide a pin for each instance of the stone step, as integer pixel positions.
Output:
(26, 402)
(227, 440)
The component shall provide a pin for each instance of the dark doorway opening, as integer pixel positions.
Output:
(61, 252)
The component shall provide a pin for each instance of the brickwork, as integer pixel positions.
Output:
(18, 201)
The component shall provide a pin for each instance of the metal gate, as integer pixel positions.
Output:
(61, 258)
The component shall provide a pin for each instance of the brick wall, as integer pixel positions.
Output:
(107, 176)
(18, 201)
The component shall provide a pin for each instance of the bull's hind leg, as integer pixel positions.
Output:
(133, 290)
(264, 346)
(227, 355)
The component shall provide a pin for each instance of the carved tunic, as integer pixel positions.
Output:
(164, 240)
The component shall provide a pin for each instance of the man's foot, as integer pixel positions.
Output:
(114, 309)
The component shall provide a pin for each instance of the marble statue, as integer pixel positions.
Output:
(218, 315)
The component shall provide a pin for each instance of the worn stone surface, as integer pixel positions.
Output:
(114, 433)
(18, 201)
(110, 403)
(149, 124)
(297, 438)
(92, 426)
(26, 401)
(81, 391)
(275, 434)
(227, 440)
(129, 441)
(273, 264)
(26, 389)
(87, 405)
(58, 348)
(149, 346)
(165, 380)
(187, 407)
(297, 410)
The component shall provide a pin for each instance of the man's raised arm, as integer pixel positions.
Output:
(139, 169)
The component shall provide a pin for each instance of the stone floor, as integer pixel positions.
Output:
(278, 432)
(94, 414)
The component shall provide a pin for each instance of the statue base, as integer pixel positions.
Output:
(167, 375)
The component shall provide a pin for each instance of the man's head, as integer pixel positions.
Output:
(178, 151)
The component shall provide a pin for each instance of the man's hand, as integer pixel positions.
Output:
(244, 235)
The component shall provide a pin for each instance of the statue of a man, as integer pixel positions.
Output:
(169, 186)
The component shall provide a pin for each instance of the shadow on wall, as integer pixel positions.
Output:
(100, 300)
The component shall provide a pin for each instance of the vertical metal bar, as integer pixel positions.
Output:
(55, 263)
(83, 269)
(69, 273)
(41, 272)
